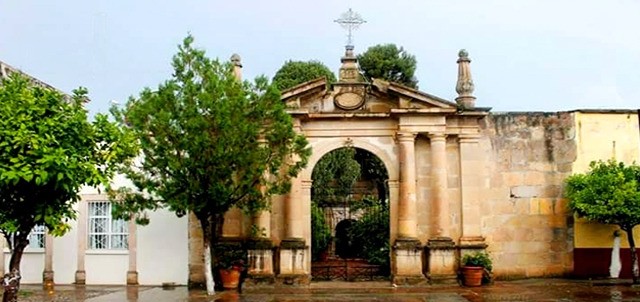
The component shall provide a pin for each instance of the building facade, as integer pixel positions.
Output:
(461, 179)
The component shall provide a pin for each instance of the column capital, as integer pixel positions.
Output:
(437, 136)
(393, 184)
(306, 184)
(405, 136)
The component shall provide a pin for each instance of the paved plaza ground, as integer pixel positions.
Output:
(524, 290)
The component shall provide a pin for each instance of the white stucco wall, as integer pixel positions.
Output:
(163, 249)
(65, 256)
(106, 267)
(31, 266)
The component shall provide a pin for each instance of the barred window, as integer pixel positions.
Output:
(106, 233)
(36, 237)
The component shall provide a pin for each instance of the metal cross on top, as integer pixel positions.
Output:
(350, 21)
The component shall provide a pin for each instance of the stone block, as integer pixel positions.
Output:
(546, 206)
(561, 206)
(526, 191)
(534, 178)
(534, 206)
(513, 179)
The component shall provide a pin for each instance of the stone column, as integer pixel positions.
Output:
(440, 209)
(81, 275)
(47, 274)
(407, 225)
(407, 248)
(470, 181)
(442, 264)
(132, 273)
(293, 249)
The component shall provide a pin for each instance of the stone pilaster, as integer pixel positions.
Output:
(81, 276)
(470, 176)
(132, 273)
(294, 251)
(407, 249)
(441, 248)
(47, 274)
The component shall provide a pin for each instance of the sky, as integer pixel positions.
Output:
(542, 55)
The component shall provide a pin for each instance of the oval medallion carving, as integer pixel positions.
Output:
(349, 100)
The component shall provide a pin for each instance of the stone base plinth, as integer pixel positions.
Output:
(293, 257)
(47, 280)
(293, 280)
(259, 281)
(132, 278)
(81, 278)
(260, 256)
(407, 265)
(442, 260)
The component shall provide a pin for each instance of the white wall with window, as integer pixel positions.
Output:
(101, 244)
(33, 257)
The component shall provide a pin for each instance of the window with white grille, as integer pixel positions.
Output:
(106, 233)
(36, 237)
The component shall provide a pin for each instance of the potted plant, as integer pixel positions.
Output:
(230, 263)
(474, 267)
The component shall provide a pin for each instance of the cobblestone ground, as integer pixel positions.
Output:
(525, 290)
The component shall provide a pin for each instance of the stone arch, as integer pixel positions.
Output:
(322, 147)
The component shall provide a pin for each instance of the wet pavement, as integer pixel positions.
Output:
(524, 290)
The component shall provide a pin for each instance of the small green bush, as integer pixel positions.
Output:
(478, 259)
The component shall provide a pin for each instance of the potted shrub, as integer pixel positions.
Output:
(230, 263)
(474, 267)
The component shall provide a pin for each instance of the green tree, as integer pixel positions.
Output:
(209, 143)
(388, 62)
(48, 151)
(609, 193)
(334, 176)
(293, 73)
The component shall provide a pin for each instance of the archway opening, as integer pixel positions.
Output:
(350, 216)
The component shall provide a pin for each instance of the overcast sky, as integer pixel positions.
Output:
(542, 55)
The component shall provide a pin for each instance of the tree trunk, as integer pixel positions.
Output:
(208, 273)
(634, 257)
(11, 281)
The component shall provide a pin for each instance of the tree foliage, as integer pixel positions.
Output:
(320, 232)
(293, 73)
(609, 193)
(389, 62)
(334, 176)
(48, 151)
(209, 143)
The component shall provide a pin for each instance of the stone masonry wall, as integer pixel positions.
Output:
(525, 220)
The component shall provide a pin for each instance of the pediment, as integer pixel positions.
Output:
(380, 96)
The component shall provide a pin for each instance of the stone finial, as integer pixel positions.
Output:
(237, 66)
(349, 71)
(464, 85)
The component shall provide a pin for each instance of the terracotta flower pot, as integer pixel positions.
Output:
(472, 275)
(230, 278)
